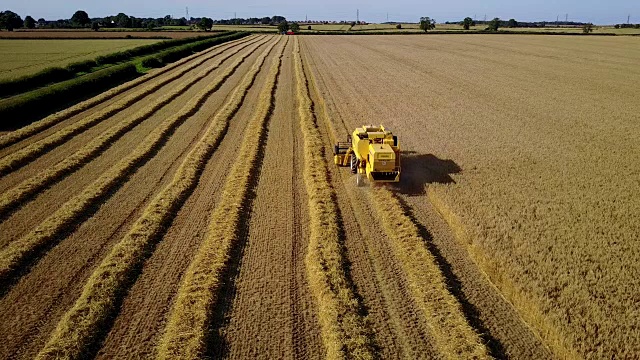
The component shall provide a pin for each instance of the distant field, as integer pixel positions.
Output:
(197, 212)
(102, 34)
(255, 28)
(391, 28)
(596, 30)
(23, 57)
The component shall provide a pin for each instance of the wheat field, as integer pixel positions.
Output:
(195, 212)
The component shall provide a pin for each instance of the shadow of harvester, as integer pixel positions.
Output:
(419, 170)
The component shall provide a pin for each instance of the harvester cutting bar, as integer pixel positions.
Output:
(391, 176)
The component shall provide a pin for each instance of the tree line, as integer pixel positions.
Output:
(9, 20)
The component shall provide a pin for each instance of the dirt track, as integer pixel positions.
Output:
(266, 302)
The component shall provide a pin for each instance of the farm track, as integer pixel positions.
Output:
(271, 299)
(85, 246)
(31, 186)
(504, 330)
(102, 101)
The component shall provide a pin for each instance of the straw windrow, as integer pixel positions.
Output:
(186, 329)
(344, 331)
(14, 255)
(76, 331)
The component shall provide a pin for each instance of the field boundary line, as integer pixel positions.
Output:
(16, 253)
(51, 120)
(526, 308)
(76, 330)
(186, 330)
(344, 330)
(11, 198)
(441, 309)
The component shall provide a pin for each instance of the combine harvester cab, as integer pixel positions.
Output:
(372, 151)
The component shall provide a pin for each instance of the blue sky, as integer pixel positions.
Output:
(596, 11)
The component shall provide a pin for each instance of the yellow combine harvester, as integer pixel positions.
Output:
(370, 150)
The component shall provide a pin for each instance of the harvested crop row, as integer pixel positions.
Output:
(344, 331)
(454, 337)
(189, 319)
(53, 119)
(14, 196)
(13, 255)
(76, 330)
(527, 308)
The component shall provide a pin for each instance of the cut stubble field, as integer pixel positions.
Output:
(196, 211)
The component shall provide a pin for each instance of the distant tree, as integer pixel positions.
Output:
(494, 24)
(283, 26)
(309, 27)
(426, 24)
(29, 22)
(617, 26)
(512, 23)
(150, 25)
(179, 22)
(467, 23)
(10, 20)
(80, 18)
(587, 28)
(123, 20)
(265, 20)
(136, 22)
(637, 26)
(205, 23)
(295, 27)
(277, 19)
(399, 26)
(353, 23)
(95, 26)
